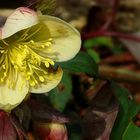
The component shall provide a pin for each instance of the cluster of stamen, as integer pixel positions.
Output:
(26, 58)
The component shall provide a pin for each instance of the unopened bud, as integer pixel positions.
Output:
(50, 131)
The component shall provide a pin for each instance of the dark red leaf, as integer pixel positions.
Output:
(23, 114)
(101, 115)
(7, 131)
(20, 131)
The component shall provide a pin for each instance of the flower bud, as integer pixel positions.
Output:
(50, 131)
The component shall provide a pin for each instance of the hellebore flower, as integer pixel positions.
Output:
(30, 44)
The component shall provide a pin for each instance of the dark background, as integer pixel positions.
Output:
(10, 4)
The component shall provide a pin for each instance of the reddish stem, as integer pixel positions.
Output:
(103, 30)
(112, 16)
(113, 34)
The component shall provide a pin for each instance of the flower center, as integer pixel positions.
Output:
(26, 58)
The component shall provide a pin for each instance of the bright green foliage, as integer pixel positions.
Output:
(81, 63)
(98, 41)
(102, 41)
(94, 55)
(60, 96)
(132, 132)
(128, 110)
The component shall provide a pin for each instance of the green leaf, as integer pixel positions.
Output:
(74, 137)
(132, 132)
(81, 63)
(95, 56)
(128, 110)
(98, 41)
(60, 96)
(103, 41)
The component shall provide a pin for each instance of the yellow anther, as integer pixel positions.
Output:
(50, 39)
(41, 78)
(27, 77)
(36, 82)
(2, 79)
(48, 44)
(32, 83)
(12, 61)
(32, 42)
(25, 46)
(5, 74)
(50, 61)
(2, 51)
(47, 64)
(20, 46)
(26, 51)
(29, 73)
(4, 67)
(42, 46)
(45, 72)
(5, 51)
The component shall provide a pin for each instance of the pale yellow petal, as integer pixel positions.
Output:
(10, 98)
(53, 80)
(67, 40)
(20, 19)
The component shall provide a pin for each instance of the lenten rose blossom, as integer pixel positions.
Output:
(30, 44)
